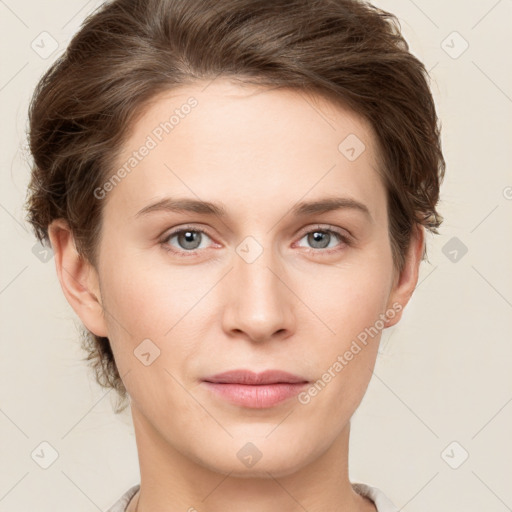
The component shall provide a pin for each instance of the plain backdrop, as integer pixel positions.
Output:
(434, 429)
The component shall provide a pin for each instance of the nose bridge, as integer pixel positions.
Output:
(252, 270)
(259, 304)
(256, 277)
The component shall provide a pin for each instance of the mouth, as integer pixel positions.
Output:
(255, 390)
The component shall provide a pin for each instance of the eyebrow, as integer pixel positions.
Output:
(303, 208)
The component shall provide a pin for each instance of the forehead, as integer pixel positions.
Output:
(251, 145)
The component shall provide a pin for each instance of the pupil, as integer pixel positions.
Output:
(322, 238)
(189, 242)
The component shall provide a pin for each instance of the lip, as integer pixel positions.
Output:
(255, 390)
(251, 378)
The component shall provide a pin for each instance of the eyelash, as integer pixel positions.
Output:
(346, 241)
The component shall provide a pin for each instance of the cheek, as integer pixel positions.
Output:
(148, 298)
(350, 303)
(347, 299)
(160, 303)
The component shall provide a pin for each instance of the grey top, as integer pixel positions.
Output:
(122, 503)
(380, 500)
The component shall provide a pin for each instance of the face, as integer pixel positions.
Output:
(291, 269)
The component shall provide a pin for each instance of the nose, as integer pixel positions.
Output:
(260, 305)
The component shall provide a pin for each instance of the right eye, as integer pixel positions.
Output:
(188, 239)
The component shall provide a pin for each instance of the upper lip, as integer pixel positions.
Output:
(251, 378)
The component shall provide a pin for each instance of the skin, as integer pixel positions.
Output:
(296, 307)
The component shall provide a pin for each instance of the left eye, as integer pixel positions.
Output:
(322, 238)
(188, 239)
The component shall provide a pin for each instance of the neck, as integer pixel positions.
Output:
(174, 482)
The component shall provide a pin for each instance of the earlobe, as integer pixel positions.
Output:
(407, 280)
(78, 278)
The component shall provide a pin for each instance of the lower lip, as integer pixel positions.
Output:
(256, 396)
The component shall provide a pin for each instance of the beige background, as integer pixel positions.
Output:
(444, 372)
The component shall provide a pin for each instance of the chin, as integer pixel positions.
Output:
(259, 458)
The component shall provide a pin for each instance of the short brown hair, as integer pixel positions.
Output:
(130, 50)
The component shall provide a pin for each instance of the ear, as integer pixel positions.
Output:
(405, 282)
(78, 278)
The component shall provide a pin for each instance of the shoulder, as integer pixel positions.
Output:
(121, 504)
(381, 501)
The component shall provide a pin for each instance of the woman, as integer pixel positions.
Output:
(237, 194)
